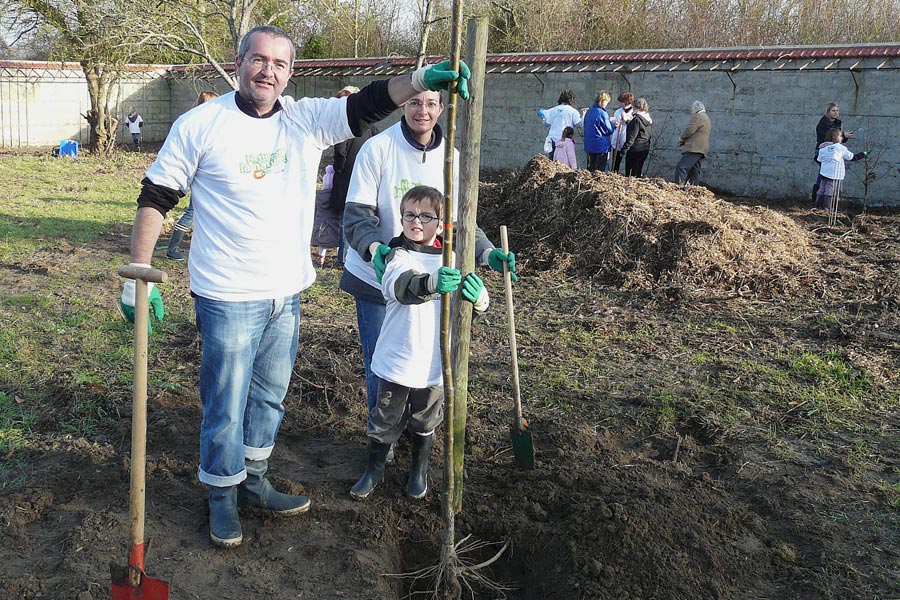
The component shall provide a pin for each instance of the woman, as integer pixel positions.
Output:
(563, 115)
(620, 121)
(597, 131)
(637, 139)
(830, 120)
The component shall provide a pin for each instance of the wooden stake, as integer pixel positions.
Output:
(470, 158)
(450, 584)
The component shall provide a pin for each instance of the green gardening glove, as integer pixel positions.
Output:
(497, 258)
(444, 280)
(473, 291)
(438, 77)
(378, 260)
(126, 303)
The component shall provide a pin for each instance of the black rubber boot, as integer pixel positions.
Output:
(374, 471)
(224, 524)
(418, 468)
(174, 242)
(257, 492)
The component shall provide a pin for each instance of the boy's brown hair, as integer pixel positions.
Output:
(835, 135)
(425, 195)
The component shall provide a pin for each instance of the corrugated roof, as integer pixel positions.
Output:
(875, 56)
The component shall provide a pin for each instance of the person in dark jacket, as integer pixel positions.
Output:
(344, 157)
(637, 139)
(597, 131)
(830, 120)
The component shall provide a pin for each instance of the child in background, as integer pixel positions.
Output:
(832, 154)
(565, 149)
(326, 221)
(407, 357)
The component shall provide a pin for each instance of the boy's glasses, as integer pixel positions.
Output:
(423, 218)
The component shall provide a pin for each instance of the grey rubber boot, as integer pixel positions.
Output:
(174, 242)
(257, 492)
(224, 524)
(374, 470)
(418, 468)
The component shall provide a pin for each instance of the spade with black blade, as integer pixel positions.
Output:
(523, 449)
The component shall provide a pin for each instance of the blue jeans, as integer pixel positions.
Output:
(369, 317)
(248, 355)
(187, 219)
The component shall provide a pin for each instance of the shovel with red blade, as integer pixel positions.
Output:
(130, 582)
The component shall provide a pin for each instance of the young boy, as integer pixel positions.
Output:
(407, 357)
(832, 154)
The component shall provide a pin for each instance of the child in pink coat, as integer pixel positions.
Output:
(565, 149)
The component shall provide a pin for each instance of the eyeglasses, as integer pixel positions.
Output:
(430, 105)
(423, 218)
(260, 63)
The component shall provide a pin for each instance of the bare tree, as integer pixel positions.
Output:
(210, 30)
(84, 28)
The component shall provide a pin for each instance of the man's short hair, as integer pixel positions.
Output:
(424, 194)
(270, 30)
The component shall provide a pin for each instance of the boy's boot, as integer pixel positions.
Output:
(257, 492)
(174, 242)
(418, 468)
(374, 470)
(224, 524)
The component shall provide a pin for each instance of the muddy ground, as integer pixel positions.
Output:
(638, 491)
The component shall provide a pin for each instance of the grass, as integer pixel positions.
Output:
(46, 200)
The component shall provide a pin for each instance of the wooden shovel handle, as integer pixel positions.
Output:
(141, 276)
(511, 321)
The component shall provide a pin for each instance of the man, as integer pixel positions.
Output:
(134, 122)
(695, 139)
(408, 154)
(250, 160)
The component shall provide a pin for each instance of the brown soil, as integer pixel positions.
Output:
(616, 508)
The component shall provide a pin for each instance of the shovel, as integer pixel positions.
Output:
(523, 450)
(131, 582)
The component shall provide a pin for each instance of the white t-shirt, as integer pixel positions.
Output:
(252, 184)
(831, 159)
(385, 169)
(408, 350)
(558, 118)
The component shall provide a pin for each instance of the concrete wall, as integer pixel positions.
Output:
(763, 120)
(41, 105)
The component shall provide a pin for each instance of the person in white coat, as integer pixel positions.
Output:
(620, 120)
(563, 115)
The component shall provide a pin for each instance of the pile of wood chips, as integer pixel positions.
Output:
(647, 234)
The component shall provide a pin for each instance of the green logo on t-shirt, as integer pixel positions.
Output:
(405, 186)
(262, 164)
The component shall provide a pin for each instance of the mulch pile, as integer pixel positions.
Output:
(646, 234)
